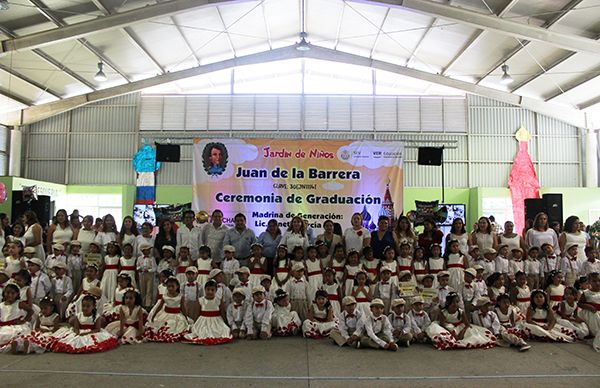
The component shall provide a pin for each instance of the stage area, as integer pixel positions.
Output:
(305, 363)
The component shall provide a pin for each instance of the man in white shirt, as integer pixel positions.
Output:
(213, 235)
(188, 235)
(377, 328)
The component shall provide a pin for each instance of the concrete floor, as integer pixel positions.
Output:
(296, 362)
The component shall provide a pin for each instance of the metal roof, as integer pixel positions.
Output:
(50, 49)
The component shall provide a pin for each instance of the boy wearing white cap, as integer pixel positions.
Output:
(377, 329)
(230, 264)
(479, 282)
(419, 320)
(146, 268)
(517, 264)
(62, 288)
(299, 291)
(75, 263)
(348, 321)
(192, 291)
(236, 313)
(569, 265)
(258, 315)
(401, 323)
(489, 262)
(242, 280)
(40, 282)
(468, 293)
(58, 255)
(223, 294)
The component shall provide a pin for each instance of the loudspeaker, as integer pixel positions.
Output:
(533, 206)
(430, 156)
(168, 153)
(41, 207)
(554, 207)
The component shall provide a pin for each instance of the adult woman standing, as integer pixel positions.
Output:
(458, 233)
(165, 236)
(108, 233)
(510, 238)
(483, 236)
(129, 231)
(270, 239)
(541, 233)
(59, 232)
(295, 235)
(431, 235)
(33, 234)
(86, 234)
(382, 237)
(403, 233)
(573, 235)
(356, 237)
(329, 237)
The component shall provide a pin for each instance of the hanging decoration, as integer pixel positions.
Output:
(145, 164)
(523, 181)
(3, 194)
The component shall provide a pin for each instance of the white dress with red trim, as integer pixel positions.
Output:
(168, 324)
(371, 266)
(523, 298)
(333, 296)
(592, 318)
(41, 341)
(475, 337)
(10, 328)
(110, 312)
(180, 271)
(420, 270)
(209, 328)
(67, 341)
(555, 295)
(517, 317)
(284, 321)
(314, 274)
(362, 302)
(109, 277)
(558, 333)
(456, 269)
(128, 266)
(405, 264)
(338, 267)
(319, 327)
(580, 328)
(204, 267)
(351, 271)
(281, 273)
(256, 272)
(131, 332)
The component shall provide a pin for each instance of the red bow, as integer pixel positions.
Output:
(236, 306)
(191, 284)
(350, 315)
(468, 286)
(258, 304)
(378, 319)
(244, 284)
(298, 280)
(420, 314)
(385, 282)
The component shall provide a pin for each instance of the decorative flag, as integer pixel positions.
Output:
(144, 163)
(523, 181)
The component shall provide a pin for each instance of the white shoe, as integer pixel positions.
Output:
(357, 344)
(524, 348)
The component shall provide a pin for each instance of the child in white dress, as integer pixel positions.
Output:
(204, 265)
(282, 268)
(13, 319)
(404, 259)
(85, 334)
(520, 295)
(320, 319)
(338, 262)
(110, 270)
(258, 315)
(555, 289)
(42, 337)
(370, 264)
(453, 330)
(257, 264)
(127, 263)
(230, 265)
(488, 319)
(111, 311)
(456, 264)
(209, 328)
(351, 268)
(362, 292)
(541, 322)
(568, 314)
(314, 270)
(129, 328)
(389, 260)
(284, 321)
(167, 321)
(419, 265)
(183, 262)
(589, 303)
(332, 288)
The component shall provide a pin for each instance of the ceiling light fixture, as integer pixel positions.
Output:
(303, 44)
(100, 75)
(506, 78)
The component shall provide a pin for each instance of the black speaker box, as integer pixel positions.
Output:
(533, 206)
(41, 207)
(554, 207)
(430, 156)
(168, 153)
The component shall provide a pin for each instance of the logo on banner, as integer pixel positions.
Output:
(214, 158)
